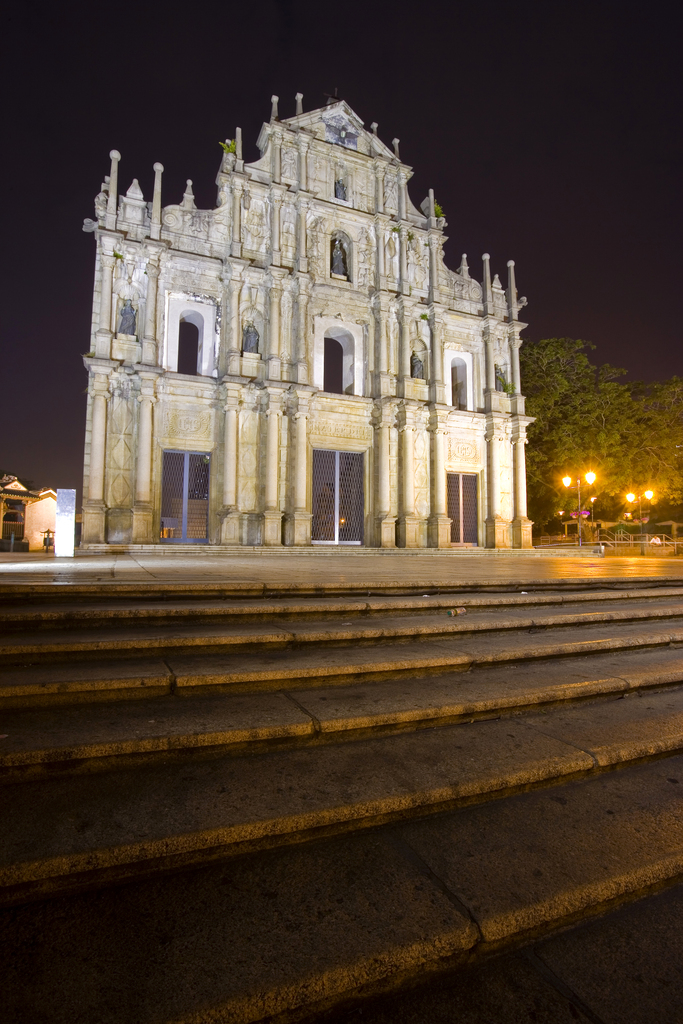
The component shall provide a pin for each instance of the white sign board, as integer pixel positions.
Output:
(65, 523)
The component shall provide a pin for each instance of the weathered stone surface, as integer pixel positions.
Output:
(520, 863)
(628, 967)
(231, 944)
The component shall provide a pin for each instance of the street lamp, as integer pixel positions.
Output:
(590, 480)
(631, 497)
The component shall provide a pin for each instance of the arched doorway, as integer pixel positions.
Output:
(188, 348)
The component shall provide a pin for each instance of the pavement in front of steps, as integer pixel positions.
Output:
(325, 568)
(624, 968)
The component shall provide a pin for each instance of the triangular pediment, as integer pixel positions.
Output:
(339, 124)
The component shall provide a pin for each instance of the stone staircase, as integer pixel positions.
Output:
(234, 809)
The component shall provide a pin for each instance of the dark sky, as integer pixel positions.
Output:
(551, 133)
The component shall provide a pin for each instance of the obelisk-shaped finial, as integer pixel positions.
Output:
(156, 201)
(512, 291)
(299, 102)
(488, 294)
(274, 100)
(112, 200)
(394, 143)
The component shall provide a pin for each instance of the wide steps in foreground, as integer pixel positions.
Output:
(322, 801)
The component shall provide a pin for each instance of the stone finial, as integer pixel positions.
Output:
(274, 100)
(496, 282)
(299, 102)
(373, 127)
(488, 294)
(464, 267)
(513, 305)
(156, 201)
(188, 196)
(431, 204)
(394, 143)
(135, 192)
(112, 200)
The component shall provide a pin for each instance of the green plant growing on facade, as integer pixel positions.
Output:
(118, 255)
(438, 210)
(228, 146)
(509, 388)
(424, 316)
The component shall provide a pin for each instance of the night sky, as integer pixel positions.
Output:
(551, 134)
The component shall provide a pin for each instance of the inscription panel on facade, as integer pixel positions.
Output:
(187, 425)
(350, 431)
(459, 450)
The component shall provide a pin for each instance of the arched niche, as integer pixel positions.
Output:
(458, 379)
(340, 243)
(350, 338)
(202, 315)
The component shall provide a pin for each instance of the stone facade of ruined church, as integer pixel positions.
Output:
(314, 270)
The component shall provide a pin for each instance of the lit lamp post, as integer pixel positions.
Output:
(649, 495)
(567, 481)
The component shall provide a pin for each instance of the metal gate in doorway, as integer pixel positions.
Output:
(185, 497)
(461, 491)
(338, 505)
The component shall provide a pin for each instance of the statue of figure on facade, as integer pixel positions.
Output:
(338, 259)
(340, 189)
(249, 338)
(416, 367)
(501, 383)
(127, 322)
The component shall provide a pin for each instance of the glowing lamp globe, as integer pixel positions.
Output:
(649, 495)
(630, 497)
(590, 478)
(566, 480)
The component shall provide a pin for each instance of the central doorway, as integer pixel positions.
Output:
(185, 497)
(461, 490)
(338, 503)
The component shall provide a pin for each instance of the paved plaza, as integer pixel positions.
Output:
(310, 568)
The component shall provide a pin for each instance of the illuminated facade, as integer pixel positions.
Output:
(298, 366)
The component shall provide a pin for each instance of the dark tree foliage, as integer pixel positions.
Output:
(629, 434)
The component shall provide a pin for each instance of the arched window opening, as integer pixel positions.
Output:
(339, 259)
(459, 384)
(333, 367)
(188, 348)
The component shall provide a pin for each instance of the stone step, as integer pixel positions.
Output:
(136, 637)
(38, 741)
(62, 833)
(289, 933)
(98, 679)
(103, 613)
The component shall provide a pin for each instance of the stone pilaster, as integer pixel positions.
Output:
(298, 521)
(437, 389)
(274, 370)
(94, 509)
(302, 332)
(272, 515)
(237, 190)
(438, 524)
(385, 522)
(229, 513)
(497, 528)
(143, 508)
(104, 332)
(149, 341)
(235, 335)
(408, 522)
(275, 209)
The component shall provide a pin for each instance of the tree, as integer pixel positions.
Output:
(628, 433)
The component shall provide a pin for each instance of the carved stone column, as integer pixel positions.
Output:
(272, 516)
(94, 507)
(303, 164)
(274, 360)
(237, 190)
(408, 523)
(104, 333)
(302, 339)
(277, 156)
(275, 208)
(405, 351)
(229, 514)
(302, 258)
(438, 525)
(433, 268)
(403, 243)
(437, 388)
(380, 171)
(149, 341)
(235, 334)
(143, 508)
(385, 523)
(497, 529)
(514, 362)
(298, 521)
(521, 525)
